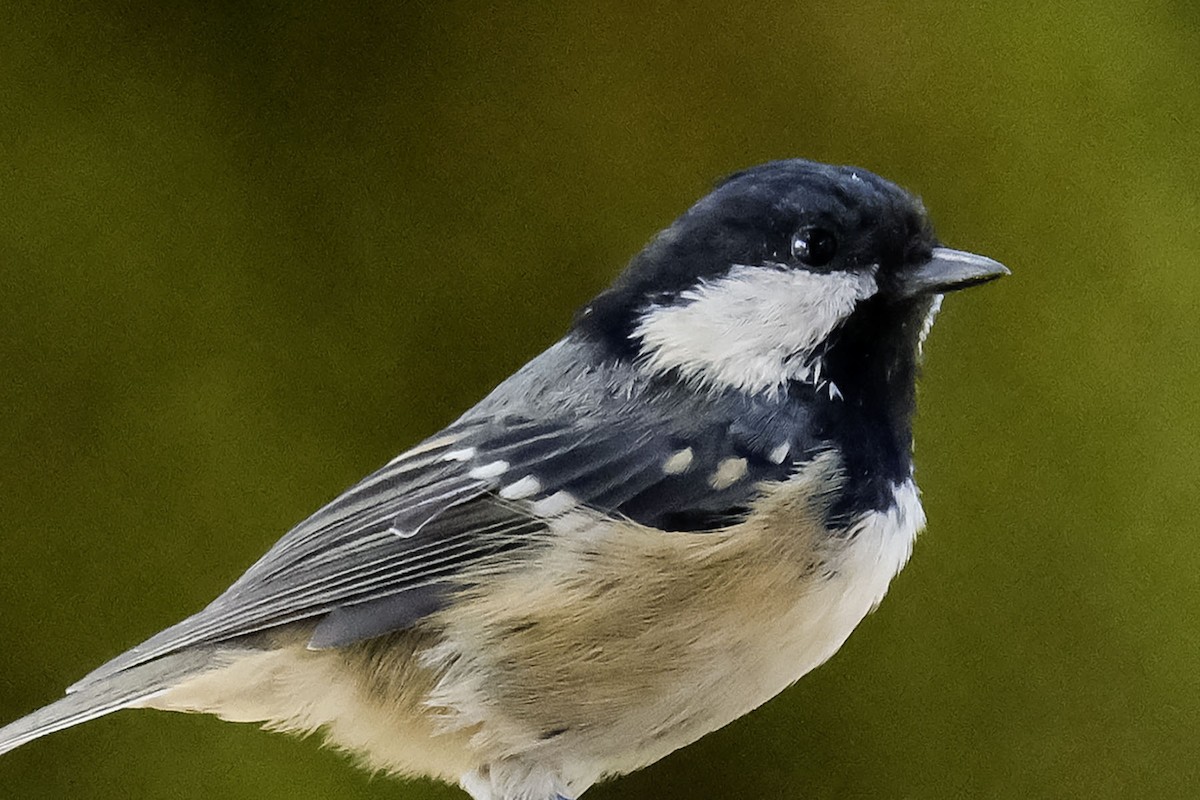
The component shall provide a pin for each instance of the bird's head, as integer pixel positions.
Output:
(753, 288)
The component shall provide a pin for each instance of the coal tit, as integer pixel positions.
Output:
(653, 527)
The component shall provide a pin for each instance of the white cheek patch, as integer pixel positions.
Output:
(753, 329)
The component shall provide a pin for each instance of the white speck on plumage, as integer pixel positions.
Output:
(834, 392)
(558, 503)
(679, 461)
(462, 454)
(729, 472)
(429, 446)
(519, 490)
(403, 533)
(780, 453)
(927, 325)
(488, 471)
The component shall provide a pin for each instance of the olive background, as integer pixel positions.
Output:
(251, 251)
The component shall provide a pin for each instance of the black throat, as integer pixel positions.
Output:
(873, 363)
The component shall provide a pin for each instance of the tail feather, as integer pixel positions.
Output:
(123, 690)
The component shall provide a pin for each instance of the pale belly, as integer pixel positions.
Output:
(617, 646)
(633, 643)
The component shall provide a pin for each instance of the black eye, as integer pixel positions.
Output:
(815, 247)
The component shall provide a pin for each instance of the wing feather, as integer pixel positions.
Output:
(414, 525)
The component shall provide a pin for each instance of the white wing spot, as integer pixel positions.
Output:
(780, 453)
(679, 462)
(729, 472)
(555, 504)
(465, 454)
(493, 470)
(523, 488)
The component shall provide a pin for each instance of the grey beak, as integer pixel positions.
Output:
(947, 270)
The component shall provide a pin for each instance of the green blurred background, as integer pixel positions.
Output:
(250, 251)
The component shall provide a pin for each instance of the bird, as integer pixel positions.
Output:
(659, 523)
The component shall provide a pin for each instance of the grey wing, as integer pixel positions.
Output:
(378, 539)
(384, 554)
